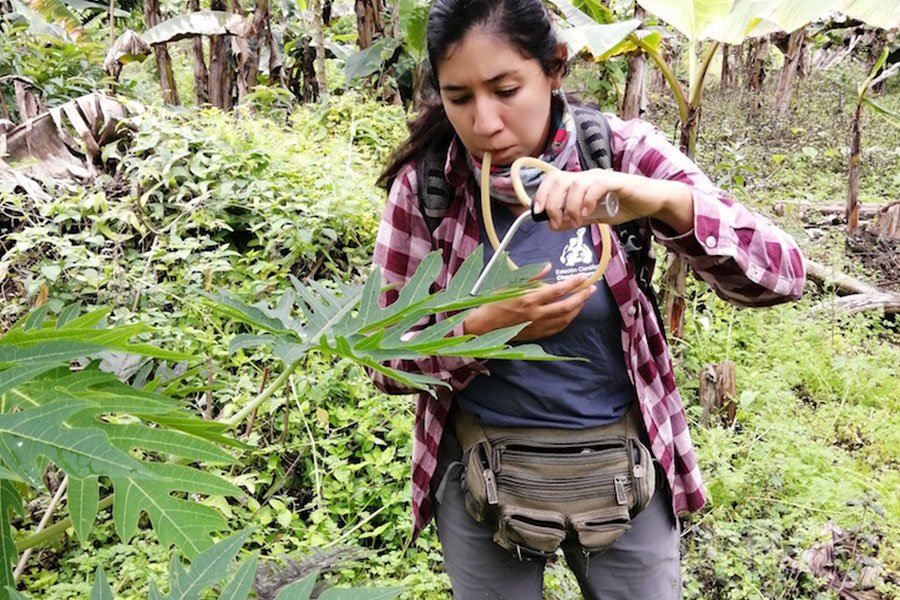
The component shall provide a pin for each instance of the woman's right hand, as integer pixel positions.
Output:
(549, 308)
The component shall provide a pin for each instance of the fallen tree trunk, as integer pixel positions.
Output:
(887, 222)
(888, 302)
(856, 296)
(865, 212)
(843, 284)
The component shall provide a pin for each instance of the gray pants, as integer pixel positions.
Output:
(643, 564)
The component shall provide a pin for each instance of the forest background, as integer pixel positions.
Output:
(148, 410)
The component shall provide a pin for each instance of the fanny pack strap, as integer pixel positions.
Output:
(470, 431)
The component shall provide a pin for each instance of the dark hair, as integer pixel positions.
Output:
(525, 24)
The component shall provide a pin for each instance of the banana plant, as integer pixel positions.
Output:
(875, 76)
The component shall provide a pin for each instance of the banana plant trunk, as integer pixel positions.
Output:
(260, 39)
(853, 187)
(320, 45)
(152, 17)
(220, 78)
(369, 26)
(728, 71)
(756, 65)
(201, 74)
(636, 83)
(784, 91)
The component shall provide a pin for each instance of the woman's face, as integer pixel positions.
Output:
(497, 100)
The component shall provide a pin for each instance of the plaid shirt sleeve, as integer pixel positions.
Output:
(740, 254)
(402, 243)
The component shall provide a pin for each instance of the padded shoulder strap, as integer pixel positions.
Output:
(593, 137)
(434, 191)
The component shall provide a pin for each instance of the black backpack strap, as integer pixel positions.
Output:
(434, 191)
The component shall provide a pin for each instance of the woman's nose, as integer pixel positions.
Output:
(487, 119)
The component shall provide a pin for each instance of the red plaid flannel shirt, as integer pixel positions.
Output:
(745, 259)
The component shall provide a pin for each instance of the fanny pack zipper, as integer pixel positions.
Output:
(544, 489)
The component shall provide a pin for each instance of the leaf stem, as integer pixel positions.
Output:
(57, 498)
(57, 529)
(238, 417)
(669, 75)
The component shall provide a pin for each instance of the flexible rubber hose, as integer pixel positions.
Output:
(528, 161)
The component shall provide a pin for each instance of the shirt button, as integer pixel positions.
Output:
(711, 242)
(632, 310)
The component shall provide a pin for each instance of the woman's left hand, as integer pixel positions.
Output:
(573, 199)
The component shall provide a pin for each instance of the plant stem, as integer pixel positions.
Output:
(669, 74)
(57, 497)
(42, 537)
(238, 417)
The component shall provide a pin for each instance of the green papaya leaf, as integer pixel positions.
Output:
(299, 590)
(239, 586)
(81, 498)
(101, 590)
(10, 503)
(208, 567)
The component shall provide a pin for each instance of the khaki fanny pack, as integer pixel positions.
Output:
(536, 487)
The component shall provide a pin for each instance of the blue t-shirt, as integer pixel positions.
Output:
(565, 394)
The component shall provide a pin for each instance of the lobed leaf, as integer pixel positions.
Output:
(208, 567)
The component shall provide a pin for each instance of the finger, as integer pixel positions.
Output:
(551, 293)
(575, 201)
(549, 182)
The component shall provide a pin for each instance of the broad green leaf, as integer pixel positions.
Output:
(877, 13)
(690, 17)
(413, 24)
(239, 586)
(81, 498)
(212, 431)
(28, 435)
(574, 15)
(88, 320)
(366, 62)
(16, 376)
(68, 314)
(239, 342)
(53, 352)
(10, 502)
(893, 117)
(174, 443)
(208, 567)
(746, 16)
(299, 590)
(233, 308)
(203, 22)
(101, 589)
(35, 318)
(651, 39)
(598, 40)
(176, 520)
(596, 10)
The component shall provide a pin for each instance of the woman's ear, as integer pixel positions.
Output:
(560, 65)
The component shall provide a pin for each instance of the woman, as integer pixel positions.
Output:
(498, 67)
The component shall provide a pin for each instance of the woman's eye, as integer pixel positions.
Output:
(508, 93)
(459, 101)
